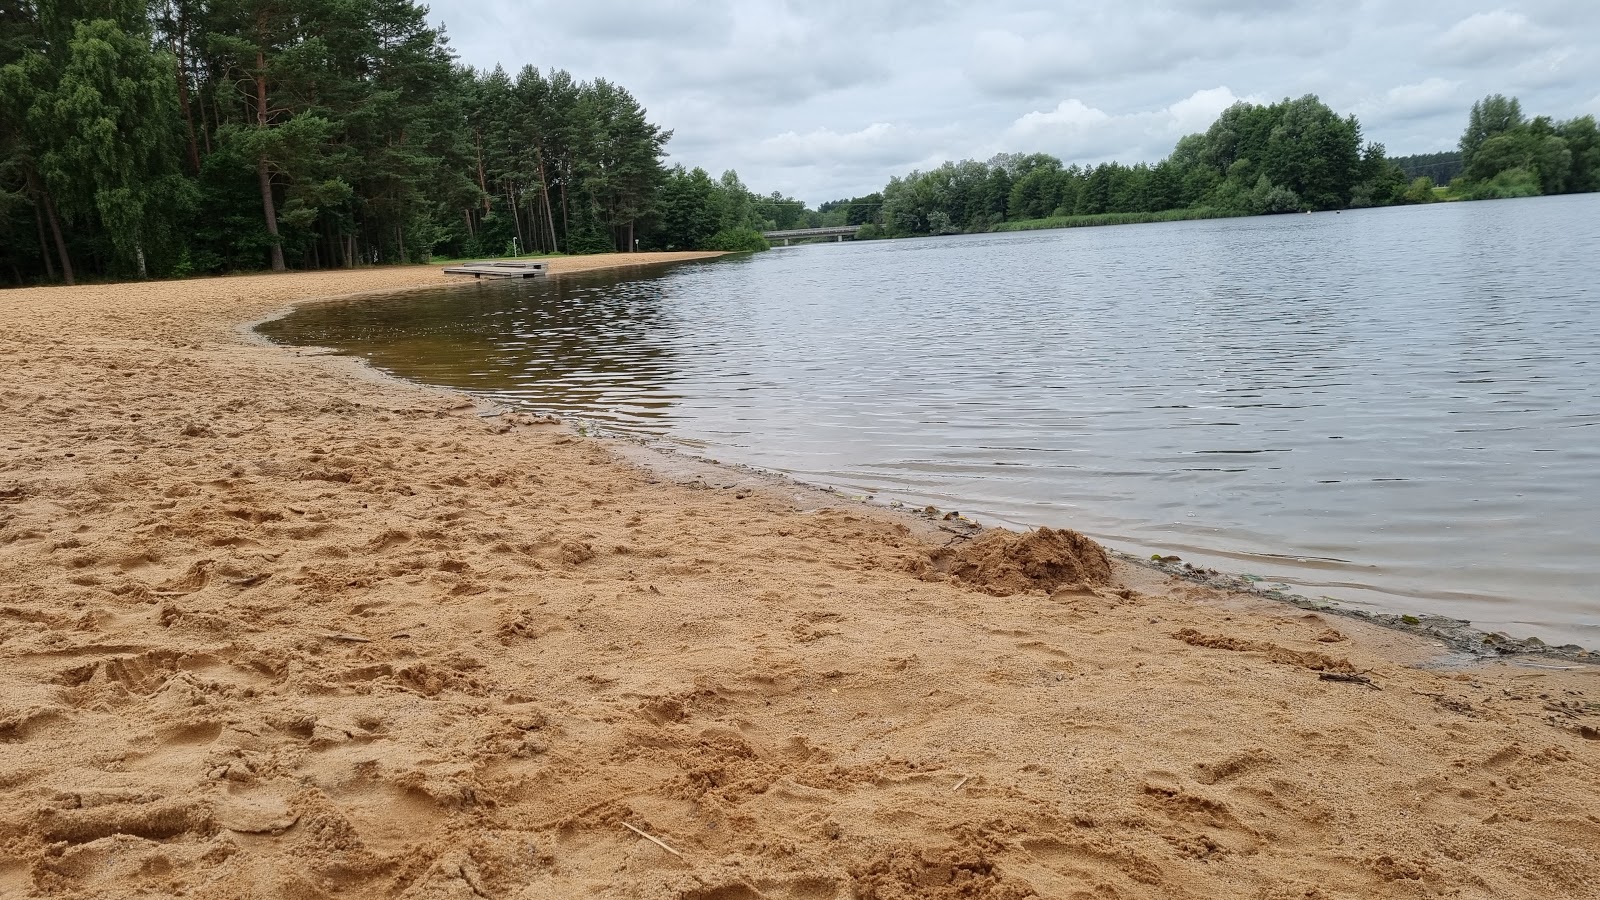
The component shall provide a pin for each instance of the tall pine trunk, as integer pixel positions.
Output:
(516, 217)
(268, 210)
(549, 214)
(44, 247)
(61, 243)
(483, 185)
(180, 50)
(270, 213)
(42, 197)
(566, 227)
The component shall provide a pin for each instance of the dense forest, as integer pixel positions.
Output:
(172, 137)
(157, 138)
(1256, 159)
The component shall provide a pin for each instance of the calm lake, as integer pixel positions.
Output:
(1398, 408)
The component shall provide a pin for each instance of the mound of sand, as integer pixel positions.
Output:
(1003, 562)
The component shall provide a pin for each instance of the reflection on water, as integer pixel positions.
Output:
(1392, 406)
(602, 343)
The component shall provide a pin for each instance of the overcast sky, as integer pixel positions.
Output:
(824, 99)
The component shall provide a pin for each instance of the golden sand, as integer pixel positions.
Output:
(273, 627)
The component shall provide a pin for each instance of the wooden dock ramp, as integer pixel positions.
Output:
(499, 269)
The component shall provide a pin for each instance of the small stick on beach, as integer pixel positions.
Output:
(1348, 679)
(964, 780)
(652, 839)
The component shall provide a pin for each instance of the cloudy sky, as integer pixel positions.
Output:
(823, 99)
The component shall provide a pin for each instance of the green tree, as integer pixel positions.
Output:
(27, 75)
(690, 210)
(1314, 153)
(121, 155)
(1036, 193)
(1493, 115)
(1583, 142)
(1535, 151)
(1382, 183)
(1420, 191)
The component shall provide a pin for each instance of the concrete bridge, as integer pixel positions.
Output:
(837, 232)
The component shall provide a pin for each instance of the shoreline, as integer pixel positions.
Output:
(1461, 635)
(270, 625)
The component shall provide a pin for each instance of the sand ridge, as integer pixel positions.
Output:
(270, 627)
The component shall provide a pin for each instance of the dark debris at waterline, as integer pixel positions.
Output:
(1457, 634)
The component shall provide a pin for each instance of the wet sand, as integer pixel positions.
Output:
(273, 626)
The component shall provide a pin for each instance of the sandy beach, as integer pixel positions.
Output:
(274, 626)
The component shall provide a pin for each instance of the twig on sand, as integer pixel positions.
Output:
(964, 780)
(1348, 678)
(652, 839)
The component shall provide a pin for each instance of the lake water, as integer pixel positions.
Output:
(1397, 407)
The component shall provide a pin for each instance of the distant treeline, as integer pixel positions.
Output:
(172, 137)
(1291, 156)
(151, 138)
(1440, 168)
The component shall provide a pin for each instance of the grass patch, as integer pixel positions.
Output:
(1168, 215)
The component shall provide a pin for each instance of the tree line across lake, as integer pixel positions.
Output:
(1255, 159)
(156, 138)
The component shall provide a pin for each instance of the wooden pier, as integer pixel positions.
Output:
(499, 269)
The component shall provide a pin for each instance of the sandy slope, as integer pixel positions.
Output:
(271, 627)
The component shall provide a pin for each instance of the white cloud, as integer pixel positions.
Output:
(1549, 67)
(1197, 111)
(1008, 64)
(879, 142)
(697, 21)
(1069, 116)
(1028, 50)
(1413, 101)
(1489, 36)
(1077, 132)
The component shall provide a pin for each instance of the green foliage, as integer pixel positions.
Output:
(1285, 157)
(1313, 153)
(1493, 115)
(1278, 158)
(1170, 215)
(693, 212)
(855, 211)
(1420, 191)
(1507, 155)
(1583, 142)
(1506, 184)
(690, 210)
(738, 240)
(223, 135)
(1383, 182)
